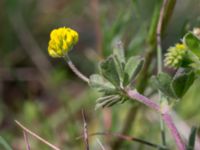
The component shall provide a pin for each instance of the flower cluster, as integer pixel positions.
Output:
(61, 41)
(174, 56)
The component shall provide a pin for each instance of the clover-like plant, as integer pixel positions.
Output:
(117, 74)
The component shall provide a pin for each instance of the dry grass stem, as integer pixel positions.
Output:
(36, 136)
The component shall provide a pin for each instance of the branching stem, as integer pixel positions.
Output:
(134, 95)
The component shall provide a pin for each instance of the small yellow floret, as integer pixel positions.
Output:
(61, 41)
(174, 56)
(180, 46)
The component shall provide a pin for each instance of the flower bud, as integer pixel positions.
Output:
(174, 56)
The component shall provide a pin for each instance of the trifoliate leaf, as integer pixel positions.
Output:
(132, 68)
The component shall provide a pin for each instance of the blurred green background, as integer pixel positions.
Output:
(44, 95)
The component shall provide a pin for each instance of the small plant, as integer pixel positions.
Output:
(135, 93)
(117, 74)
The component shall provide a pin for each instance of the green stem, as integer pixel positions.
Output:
(159, 59)
(162, 127)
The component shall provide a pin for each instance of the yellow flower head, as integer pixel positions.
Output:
(174, 56)
(61, 41)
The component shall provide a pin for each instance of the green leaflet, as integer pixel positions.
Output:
(107, 101)
(118, 51)
(101, 84)
(4, 144)
(163, 82)
(182, 83)
(132, 68)
(109, 71)
(120, 68)
(193, 43)
(119, 59)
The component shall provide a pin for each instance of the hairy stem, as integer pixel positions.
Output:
(169, 122)
(134, 95)
(74, 69)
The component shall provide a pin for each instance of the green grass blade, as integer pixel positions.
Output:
(5, 144)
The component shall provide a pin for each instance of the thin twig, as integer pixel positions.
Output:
(85, 133)
(26, 141)
(127, 138)
(159, 29)
(159, 59)
(100, 144)
(36, 136)
(74, 69)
